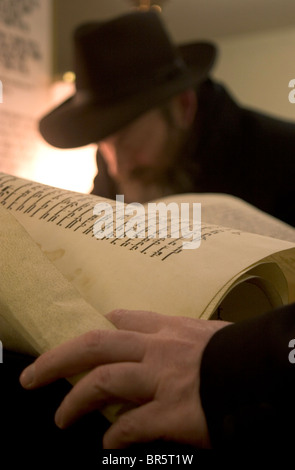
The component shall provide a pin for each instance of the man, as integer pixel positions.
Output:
(163, 126)
(194, 382)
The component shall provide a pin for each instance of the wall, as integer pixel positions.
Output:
(68, 14)
(25, 53)
(258, 67)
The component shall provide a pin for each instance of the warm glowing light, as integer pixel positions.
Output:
(72, 169)
(157, 8)
(69, 77)
(60, 91)
(145, 5)
(146, 8)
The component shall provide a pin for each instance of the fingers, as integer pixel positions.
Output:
(150, 422)
(151, 361)
(106, 385)
(98, 347)
(142, 424)
(138, 320)
(160, 420)
(151, 322)
(82, 354)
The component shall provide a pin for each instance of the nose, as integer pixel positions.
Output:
(131, 160)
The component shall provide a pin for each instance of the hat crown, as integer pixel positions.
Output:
(121, 56)
(124, 67)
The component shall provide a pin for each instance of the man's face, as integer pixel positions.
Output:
(141, 155)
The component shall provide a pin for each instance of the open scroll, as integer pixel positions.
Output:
(58, 280)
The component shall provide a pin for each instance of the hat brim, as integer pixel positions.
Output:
(80, 120)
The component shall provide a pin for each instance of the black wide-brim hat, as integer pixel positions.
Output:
(124, 67)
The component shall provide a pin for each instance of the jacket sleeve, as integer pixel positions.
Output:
(248, 382)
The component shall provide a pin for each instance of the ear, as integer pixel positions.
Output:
(184, 108)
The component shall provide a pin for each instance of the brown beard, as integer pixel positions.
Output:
(143, 185)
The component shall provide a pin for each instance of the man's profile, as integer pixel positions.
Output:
(163, 126)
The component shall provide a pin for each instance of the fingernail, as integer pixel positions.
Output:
(58, 418)
(28, 376)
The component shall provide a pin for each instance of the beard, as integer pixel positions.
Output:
(144, 185)
(173, 175)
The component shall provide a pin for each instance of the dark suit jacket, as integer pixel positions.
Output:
(248, 383)
(234, 150)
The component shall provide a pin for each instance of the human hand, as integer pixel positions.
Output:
(152, 361)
